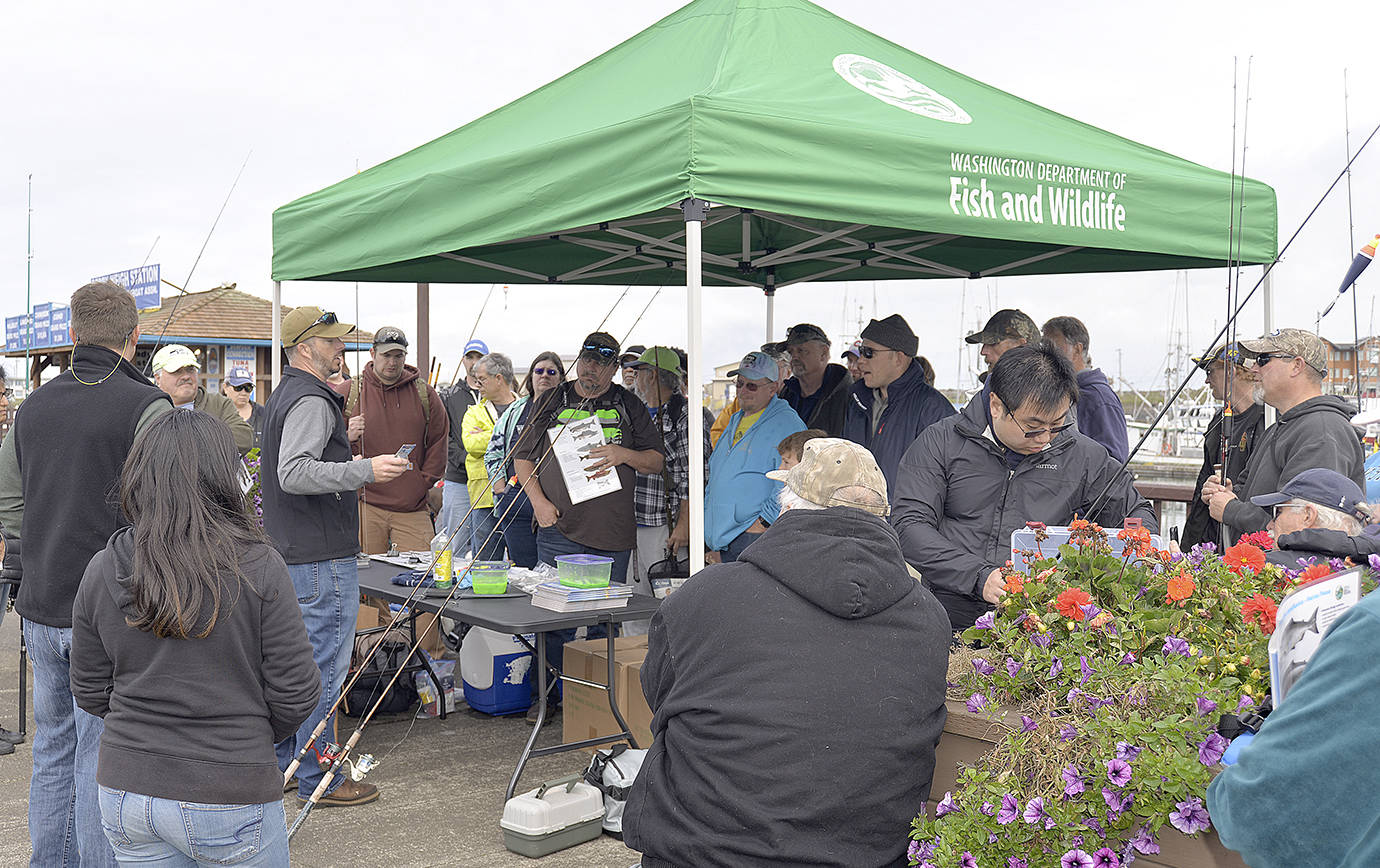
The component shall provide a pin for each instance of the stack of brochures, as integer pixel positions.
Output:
(559, 598)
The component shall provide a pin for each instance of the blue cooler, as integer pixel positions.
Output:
(497, 672)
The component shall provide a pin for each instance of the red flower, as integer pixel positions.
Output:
(1244, 556)
(1181, 587)
(1261, 539)
(1137, 542)
(1070, 603)
(1313, 573)
(1260, 610)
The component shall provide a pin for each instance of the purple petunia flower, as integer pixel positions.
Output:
(987, 809)
(1035, 810)
(1144, 842)
(1090, 611)
(1068, 732)
(1128, 658)
(913, 851)
(1012, 667)
(1337, 564)
(1119, 772)
(1028, 725)
(976, 703)
(1041, 640)
(967, 860)
(1374, 561)
(1016, 862)
(1117, 802)
(1175, 645)
(1126, 751)
(1010, 810)
(1189, 816)
(1245, 703)
(1092, 823)
(945, 805)
(1072, 696)
(982, 667)
(1105, 858)
(1056, 667)
(922, 849)
(1075, 859)
(1073, 782)
(1205, 706)
(1085, 669)
(986, 621)
(1210, 749)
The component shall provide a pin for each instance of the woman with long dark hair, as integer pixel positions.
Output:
(511, 505)
(187, 639)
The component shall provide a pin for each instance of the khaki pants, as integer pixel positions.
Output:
(411, 532)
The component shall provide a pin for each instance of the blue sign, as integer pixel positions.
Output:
(143, 283)
(59, 326)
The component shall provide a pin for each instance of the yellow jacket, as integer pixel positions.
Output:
(476, 430)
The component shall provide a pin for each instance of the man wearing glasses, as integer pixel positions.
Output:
(176, 371)
(308, 481)
(239, 388)
(892, 403)
(1312, 429)
(1010, 457)
(740, 501)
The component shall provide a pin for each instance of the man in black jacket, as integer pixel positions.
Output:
(1317, 517)
(797, 693)
(1312, 430)
(818, 391)
(1010, 457)
(1248, 423)
(58, 468)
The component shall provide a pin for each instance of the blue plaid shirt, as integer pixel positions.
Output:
(650, 499)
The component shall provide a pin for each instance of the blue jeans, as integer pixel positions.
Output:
(735, 547)
(143, 829)
(455, 504)
(486, 541)
(550, 543)
(328, 594)
(64, 820)
(517, 527)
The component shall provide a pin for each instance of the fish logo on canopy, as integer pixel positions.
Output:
(894, 87)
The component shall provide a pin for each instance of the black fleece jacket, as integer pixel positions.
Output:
(798, 695)
(193, 719)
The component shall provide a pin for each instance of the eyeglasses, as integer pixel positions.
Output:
(1265, 358)
(607, 353)
(742, 384)
(327, 318)
(551, 372)
(247, 387)
(1274, 510)
(868, 352)
(1038, 432)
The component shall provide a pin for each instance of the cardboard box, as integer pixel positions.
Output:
(367, 619)
(586, 709)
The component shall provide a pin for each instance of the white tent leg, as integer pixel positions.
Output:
(771, 316)
(275, 352)
(695, 213)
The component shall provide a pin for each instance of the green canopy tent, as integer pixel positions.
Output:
(827, 152)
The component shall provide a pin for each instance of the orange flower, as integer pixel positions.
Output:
(1244, 556)
(1313, 573)
(1014, 584)
(1137, 542)
(1181, 587)
(1071, 602)
(1260, 610)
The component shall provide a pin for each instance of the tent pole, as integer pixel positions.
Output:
(275, 352)
(695, 211)
(770, 292)
(424, 326)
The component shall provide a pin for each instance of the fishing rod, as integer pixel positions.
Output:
(640, 315)
(1224, 454)
(1357, 266)
(367, 762)
(148, 366)
(1351, 240)
(617, 302)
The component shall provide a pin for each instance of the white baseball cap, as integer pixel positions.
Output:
(174, 357)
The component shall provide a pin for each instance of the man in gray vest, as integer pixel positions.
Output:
(308, 482)
(57, 468)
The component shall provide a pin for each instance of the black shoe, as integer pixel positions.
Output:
(11, 737)
(553, 711)
(6, 748)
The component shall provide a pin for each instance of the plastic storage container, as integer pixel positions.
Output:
(554, 816)
(584, 571)
(489, 577)
(496, 671)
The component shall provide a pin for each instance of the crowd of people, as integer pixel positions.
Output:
(851, 512)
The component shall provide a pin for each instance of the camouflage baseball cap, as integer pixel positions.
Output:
(1295, 343)
(1005, 324)
(827, 465)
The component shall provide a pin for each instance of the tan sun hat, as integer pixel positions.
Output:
(828, 464)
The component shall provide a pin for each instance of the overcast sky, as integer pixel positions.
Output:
(134, 118)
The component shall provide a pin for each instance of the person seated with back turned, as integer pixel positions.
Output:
(1317, 516)
(187, 640)
(780, 738)
(1312, 430)
(970, 480)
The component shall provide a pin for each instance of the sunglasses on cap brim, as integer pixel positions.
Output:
(327, 318)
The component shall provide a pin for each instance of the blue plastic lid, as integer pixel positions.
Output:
(583, 559)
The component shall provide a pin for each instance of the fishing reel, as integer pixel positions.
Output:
(361, 765)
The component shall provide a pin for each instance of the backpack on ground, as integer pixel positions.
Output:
(612, 773)
(380, 655)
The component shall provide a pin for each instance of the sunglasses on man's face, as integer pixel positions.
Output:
(247, 387)
(1265, 358)
(742, 384)
(606, 353)
(868, 352)
(540, 372)
(327, 318)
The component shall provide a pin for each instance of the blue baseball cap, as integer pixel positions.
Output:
(757, 366)
(1317, 485)
(239, 377)
(476, 346)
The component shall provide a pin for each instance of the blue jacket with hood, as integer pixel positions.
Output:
(739, 491)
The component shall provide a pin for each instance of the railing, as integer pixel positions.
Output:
(1161, 493)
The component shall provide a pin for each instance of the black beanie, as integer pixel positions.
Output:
(892, 333)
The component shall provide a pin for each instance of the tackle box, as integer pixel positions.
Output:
(556, 815)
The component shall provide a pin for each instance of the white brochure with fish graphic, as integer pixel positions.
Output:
(570, 445)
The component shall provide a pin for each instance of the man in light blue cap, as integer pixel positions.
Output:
(740, 501)
(455, 496)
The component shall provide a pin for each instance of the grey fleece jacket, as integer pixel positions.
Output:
(306, 431)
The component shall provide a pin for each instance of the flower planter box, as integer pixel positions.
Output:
(968, 736)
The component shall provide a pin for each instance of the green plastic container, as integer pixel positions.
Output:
(584, 571)
(489, 577)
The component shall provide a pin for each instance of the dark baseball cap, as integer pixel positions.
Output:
(1316, 485)
(600, 346)
(632, 354)
(1004, 325)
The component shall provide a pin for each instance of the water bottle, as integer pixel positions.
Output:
(441, 571)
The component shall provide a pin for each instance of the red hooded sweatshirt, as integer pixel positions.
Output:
(393, 416)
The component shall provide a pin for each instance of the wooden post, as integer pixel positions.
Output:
(423, 324)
